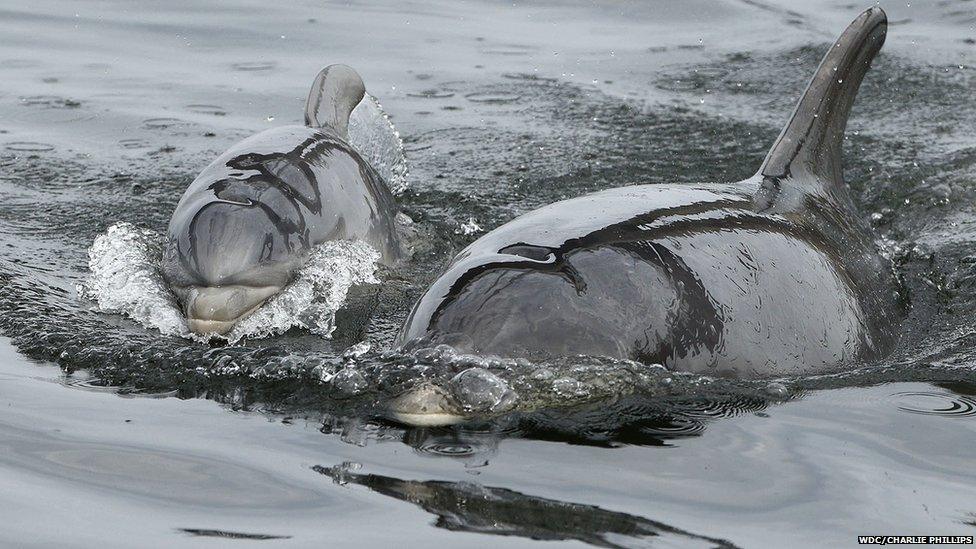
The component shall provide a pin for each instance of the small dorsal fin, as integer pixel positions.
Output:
(810, 144)
(335, 93)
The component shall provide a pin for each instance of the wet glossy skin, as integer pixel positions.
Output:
(775, 275)
(251, 217)
(691, 276)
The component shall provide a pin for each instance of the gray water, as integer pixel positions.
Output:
(115, 435)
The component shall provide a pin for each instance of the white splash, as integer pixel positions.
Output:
(125, 279)
(318, 291)
(469, 227)
(372, 134)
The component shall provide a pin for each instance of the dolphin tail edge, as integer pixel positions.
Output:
(810, 144)
(336, 91)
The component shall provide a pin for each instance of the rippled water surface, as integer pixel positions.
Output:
(116, 435)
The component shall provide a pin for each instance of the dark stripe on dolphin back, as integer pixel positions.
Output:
(808, 149)
(538, 257)
(695, 325)
(261, 172)
(336, 91)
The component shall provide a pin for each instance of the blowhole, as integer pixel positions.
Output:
(528, 251)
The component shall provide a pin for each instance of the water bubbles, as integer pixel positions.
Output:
(542, 374)
(478, 390)
(349, 382)
(470, 361)
(439, 354)
(776, 390)
(569, 387)
(434, 354)
(324, 370)
(356, 350)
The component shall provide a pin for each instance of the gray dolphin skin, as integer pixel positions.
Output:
(251, 218)
(772, 276)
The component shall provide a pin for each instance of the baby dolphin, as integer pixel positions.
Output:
(251, 218)
(775, 275)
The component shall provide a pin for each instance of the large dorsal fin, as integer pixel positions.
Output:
(809, 147)
(335, 93)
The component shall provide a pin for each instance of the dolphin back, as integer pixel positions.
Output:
(808, 150)
(335, 93)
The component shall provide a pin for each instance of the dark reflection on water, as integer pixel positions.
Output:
(200, 532)
(635, 420)
(469, 507)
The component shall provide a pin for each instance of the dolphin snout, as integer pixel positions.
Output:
(216, 309)
(425, 406)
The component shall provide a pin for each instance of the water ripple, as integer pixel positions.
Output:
(492, 98)
(254, 66)
(28, 146)
(936, 404)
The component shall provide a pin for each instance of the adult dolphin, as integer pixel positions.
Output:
(250, 219)
(774, 275)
